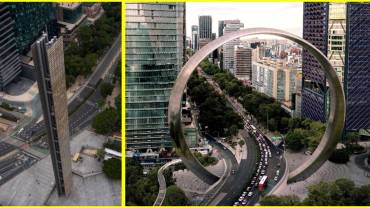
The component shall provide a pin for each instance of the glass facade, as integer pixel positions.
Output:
(31, 19)
(155, 38)
(281, 82)
(345, 28)
(315, 30)
(357, 75)
(72, 15)
(9, 58)
(205, 27)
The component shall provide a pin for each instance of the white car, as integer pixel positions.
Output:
(275, 178)
(250, 194)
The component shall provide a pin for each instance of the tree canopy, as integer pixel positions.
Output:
(106, 89)
(341, 192)
(91, 42)
(215, 113)
(273, 200)
(175, 197)
(264, 108)
(106, 121)
(112, 168)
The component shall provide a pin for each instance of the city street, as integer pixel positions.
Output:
(83, 105)
(276, 164)
(235, 186)
(82, 109)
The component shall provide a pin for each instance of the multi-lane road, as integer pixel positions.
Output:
(243, 174)
(242, 187)
(83, 104)
(82, 107)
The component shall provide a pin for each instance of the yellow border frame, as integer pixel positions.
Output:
(122, 103)
(123, 86)
(123, 91)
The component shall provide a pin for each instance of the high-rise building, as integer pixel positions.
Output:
(194, 37)
(243, 62)
(10, 65)
(48, 57)
(228, 48)
(220, 28)
(205, 30)
(205, 27)
(341, 31)
(275, 79)
(69, 12)
(155, 38)
(30, 20)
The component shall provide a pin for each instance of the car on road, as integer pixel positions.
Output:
(236, 203)
(244, 202)
(233, 171)
(275, 178)
(250, 194)
(249, 188)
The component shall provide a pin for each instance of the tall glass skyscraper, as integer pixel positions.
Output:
(205, 27)
(155, 39)
(31, 19)
(10, 65)
(194, 37)
(341, 31)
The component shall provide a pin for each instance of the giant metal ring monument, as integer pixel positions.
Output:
(335, 122)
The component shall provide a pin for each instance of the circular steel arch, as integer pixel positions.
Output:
(335, 122)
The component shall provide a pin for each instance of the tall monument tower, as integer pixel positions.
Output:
(48, 57)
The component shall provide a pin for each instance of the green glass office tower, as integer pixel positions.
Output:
(30, 20)
(69, 12)
(155, 39)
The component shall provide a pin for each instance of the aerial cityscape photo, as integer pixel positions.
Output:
(239, 104)
(60, 103)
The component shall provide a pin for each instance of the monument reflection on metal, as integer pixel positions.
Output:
(334, 126)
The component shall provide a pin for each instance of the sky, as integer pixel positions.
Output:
(284, 16)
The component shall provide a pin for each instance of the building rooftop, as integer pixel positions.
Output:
(277, 63)
(69, 5)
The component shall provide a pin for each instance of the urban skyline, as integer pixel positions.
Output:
(243, 111)
(60, 106)
(252, 14)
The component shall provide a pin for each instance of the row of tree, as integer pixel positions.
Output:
(215, 113)
(109, 120)
(92, 40)
(300, 133)
(342, 192)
